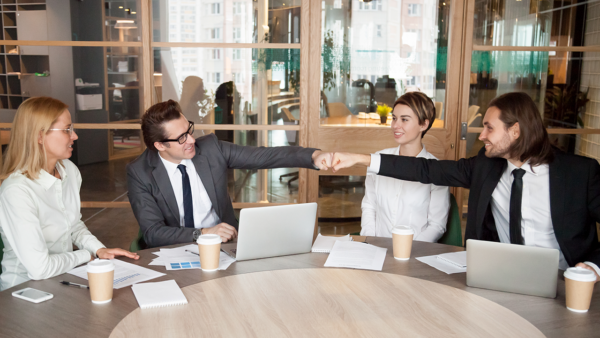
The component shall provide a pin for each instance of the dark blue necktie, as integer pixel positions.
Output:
(188, 204)
(516, 194)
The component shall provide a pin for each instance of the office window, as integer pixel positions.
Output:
(238, 8)
(237, 33)
(215, 8)
(216, 77)
(375, 5)
(373, 79)
(414, 9)
(237, 54)
(238, 77)
(378, 31)
(416, 32)
(216, 54)
(214, 33)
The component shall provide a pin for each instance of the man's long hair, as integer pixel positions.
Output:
(533, 143)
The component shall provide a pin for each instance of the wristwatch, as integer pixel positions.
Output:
(197, 234)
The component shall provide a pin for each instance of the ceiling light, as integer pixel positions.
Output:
(125, 24)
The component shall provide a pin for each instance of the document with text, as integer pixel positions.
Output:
(356, 255)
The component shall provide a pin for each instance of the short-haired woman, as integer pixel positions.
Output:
(40, 217)
(390, 202)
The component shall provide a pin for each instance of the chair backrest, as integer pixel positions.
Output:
(474, 122)
(288, 114)
(138, 243)
(453, 235)
(472, 112)
(338, 109)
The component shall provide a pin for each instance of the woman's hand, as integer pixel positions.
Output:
(105, 253)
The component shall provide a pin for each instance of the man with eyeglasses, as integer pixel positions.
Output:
(178, 186)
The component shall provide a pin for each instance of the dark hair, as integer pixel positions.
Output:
(155, 117)
(533, 143)
(421, 105)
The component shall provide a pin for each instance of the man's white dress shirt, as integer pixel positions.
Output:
(536, 224)
(390, 202)
(40, 220)
(204, 213)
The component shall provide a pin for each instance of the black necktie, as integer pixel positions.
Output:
(516, 196)
(188, 204)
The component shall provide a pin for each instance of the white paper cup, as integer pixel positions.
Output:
(579, 286)
(101, 273)
(402, 237)
(209, 247)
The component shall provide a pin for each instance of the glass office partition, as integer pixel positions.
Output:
(373, 52)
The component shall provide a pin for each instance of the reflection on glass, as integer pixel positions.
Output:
(231, 85)
(99, 84)
(563, 85)
(374, 52)
(534, 23)
(272, 185)
(230, 21)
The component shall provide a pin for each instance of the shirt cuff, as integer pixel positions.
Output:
(93, 247)
(594, 266)
(83, 256)
(375, 164)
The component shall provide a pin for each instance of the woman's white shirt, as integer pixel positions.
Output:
(390, 202)
(40, 220)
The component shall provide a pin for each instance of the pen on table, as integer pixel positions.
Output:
(74, 284)
(195, 253)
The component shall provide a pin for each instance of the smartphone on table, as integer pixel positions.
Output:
(33, 295)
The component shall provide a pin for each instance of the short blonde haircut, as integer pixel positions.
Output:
(421, 105)
(33, 119)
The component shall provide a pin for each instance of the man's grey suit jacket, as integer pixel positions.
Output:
(153, 200)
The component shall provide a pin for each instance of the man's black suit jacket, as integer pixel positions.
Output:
(153, 200)
(574, 195)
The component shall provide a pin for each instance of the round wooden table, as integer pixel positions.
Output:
(71, 313)
(326, 302)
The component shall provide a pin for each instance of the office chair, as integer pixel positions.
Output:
(453, 235)
(138, 243)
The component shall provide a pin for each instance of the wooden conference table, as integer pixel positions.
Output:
(430, 302)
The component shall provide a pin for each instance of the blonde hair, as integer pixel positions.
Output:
(32, 121)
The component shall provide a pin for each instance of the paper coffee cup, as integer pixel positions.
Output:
(402, 236)
(209, 247)
(101, 273)
(579, 285)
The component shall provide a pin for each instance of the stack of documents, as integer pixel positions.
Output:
(186, 257)
(126, 274)
(123, 66)
(325, 243)
(452, 262)
(355, 255)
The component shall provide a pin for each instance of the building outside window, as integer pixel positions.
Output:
(414, 9)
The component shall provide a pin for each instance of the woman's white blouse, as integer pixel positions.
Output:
(40, 220)
(390, 202)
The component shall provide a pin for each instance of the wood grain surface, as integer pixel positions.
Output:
(71, 313)
(326, 303)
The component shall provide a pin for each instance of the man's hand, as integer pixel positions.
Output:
(585, 266)
(322, 160)
(347, 160)
(226, 231)
(105, 253)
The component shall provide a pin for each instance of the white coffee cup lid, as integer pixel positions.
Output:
(100, 265)
(403, 230)
(209, 239)
(580, 274)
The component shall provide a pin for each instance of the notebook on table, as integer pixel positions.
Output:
(151, 295)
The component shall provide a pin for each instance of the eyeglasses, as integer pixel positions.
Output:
(66, 131)
(181, 139)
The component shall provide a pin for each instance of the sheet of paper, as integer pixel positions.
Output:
(126, 274)
(441, 265)
(356, 256)
(325, 243)
(459, 259)
(224, 262)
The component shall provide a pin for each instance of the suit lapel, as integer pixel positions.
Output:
(489, 185)
(557, 193)
(164, 184)
(203, 170)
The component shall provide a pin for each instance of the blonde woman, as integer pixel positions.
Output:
(389, 202)
(40, 216)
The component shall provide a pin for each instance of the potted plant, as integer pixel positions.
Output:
(383, 111)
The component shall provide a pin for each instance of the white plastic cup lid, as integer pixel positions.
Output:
(209, 239)
(100, 265)
(580, 274)
(403, 230)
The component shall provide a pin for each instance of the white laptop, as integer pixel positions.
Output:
(274, 231)
(512, 268)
